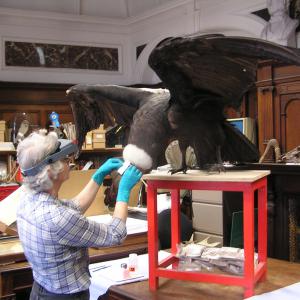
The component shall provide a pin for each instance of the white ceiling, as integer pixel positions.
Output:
(120, 9)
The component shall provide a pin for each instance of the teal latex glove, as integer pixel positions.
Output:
(129, 179)
(110, 165)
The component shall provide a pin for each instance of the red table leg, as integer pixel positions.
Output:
(152, 235)
(262, 227)
(175, 220)
(248, 209)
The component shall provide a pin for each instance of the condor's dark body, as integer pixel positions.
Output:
(203, 75)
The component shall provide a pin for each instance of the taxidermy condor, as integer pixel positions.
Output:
(202, 76)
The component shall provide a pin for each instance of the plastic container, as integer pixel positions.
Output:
(132, 262)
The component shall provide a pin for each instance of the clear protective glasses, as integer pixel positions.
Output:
(69, 160)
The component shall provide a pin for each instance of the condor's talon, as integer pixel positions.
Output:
(173, 171)
(214, 168)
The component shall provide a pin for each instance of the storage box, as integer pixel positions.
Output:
(2, 136)
(99, 130)
(88, 145)
(99, 134)
(208, 218)
(98, 145)
(98, 137)
(2, 125)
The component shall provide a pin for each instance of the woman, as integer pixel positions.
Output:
(54, 233)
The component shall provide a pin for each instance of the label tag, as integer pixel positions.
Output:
(124, 167)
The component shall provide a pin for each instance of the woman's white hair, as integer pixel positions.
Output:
(33, 150)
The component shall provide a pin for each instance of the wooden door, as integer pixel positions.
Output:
(290, 121)
(278, 105)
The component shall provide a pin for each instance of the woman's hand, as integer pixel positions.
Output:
(110, 165)
(129, 179)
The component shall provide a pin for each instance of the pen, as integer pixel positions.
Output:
(100, 268)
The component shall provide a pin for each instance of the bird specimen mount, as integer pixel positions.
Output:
(202, 76)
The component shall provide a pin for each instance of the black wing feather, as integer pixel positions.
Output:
(203, 74)
(95, 104)
(196, 68)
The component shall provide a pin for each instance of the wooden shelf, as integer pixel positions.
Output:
(104, 150)
(8, 152)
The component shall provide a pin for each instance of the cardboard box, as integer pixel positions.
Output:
(87, 147)
(99, 134)
(2, 125)
(100, 131)
(98, 137)
(74, 185)
(78, 180)
(89, 140)
(2, 136)
(98, 145)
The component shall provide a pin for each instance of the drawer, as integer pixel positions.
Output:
(207, 196)
(212, 238)
(208, 218)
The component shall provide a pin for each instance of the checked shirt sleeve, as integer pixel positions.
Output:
(74, 229)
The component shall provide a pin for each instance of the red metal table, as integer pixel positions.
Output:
(246, 182)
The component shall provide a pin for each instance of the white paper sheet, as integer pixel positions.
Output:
(100, 281)
(163, 203)
(291, 292)
(132, 225)
(8, 206)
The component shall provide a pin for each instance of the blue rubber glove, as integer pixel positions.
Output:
(129, 179)
(110, 165)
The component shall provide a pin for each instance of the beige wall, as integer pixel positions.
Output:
(77, 181)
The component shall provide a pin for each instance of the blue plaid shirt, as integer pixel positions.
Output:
(56, 236)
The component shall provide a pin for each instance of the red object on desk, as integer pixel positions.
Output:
(240, 181)
(6, 190)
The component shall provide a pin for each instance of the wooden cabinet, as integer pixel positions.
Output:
(207, 215)
(36, 100)
(278, 94)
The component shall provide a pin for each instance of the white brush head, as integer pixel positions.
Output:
(137, 156)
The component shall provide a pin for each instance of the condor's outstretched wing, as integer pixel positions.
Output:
(93, 104)
(198, 69)
(206, 73)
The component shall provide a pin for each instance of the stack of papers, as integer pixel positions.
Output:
(133, 225)
(108, 273)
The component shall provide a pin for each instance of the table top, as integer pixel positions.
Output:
(11, 250)
(197, 175)
(280, 274)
